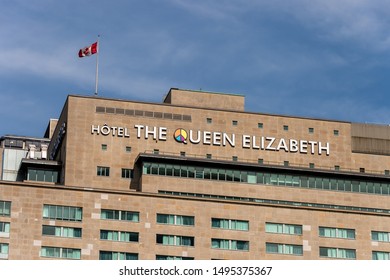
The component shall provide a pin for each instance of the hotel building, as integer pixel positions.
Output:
(194, 177)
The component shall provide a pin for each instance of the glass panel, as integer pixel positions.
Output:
(176, 171)
(169, 170)
(312, 182)
(281, 180)
(260, 178)
(333, 184)
(161, 169)
(207, 173)
(271, 248)
(221, 174)
(363, 187)
(340, 185)
(347, 186)
(229, 175)
(355, 186)
(199, 173)
(326, 184)
(191, 172)
(183, 171)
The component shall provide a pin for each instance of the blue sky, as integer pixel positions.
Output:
(323, 59)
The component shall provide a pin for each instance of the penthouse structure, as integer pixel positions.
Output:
(194, 177)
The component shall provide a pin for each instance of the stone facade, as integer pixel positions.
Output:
(115, 134)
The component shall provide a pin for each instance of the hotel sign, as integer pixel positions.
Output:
(246, 141)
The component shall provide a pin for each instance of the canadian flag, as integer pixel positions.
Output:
(90, 50)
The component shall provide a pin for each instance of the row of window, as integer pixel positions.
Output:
(71, 213)
(42, 175)
(74, 232)
(261, 126)
(264, 178)
(277, 202)
(271, 248)
(105, 172)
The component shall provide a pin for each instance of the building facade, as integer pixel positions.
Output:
(198, 177)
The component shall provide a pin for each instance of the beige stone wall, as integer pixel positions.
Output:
(203, 99)
(84, 149)
(26, 238)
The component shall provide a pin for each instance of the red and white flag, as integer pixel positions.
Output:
(90, 50)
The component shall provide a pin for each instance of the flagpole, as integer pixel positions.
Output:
(97, 67)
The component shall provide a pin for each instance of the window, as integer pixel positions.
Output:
(338, 253)
(311, 165)
(380, 236)
(61, 231)
(5, 208)
(260, 161)
(128, 149)
(335, 132)
(127, 173)
(286, 249)
(387, 172)
(65, 213)
(122, 236)
(380, 255)
(275, 179)
(286, 163)
(209, 120)
(234, 123)
(234, 158)
(336, 232)
(182, 154)
(175, 240)
(175, 220)
(209, 156)
(156, 151)
(103, 171)
(61, 253)
(260, 125)
(42, 175)
(107, 255)
(226, 244)
(337, 167)
(311, 130)
(230, 224)
(285, 127)
(4, 229)
(104, 147)
(4, 247)
(171, 258)
(107, 214)
(283, 228)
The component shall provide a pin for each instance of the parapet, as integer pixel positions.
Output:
(202, 99)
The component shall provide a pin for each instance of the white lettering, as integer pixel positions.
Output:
(207, 137)
(139, 127)
(282, 145)
(95, 129)
(269, 146)
(126, 133)
(217, 138)
(162, 133)
(322, 148)
(254, 143)
(293, 146)
(303, 146)
(232, 140)
(312, 144)
(148, 132)
(197, 140)
(246, 141)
